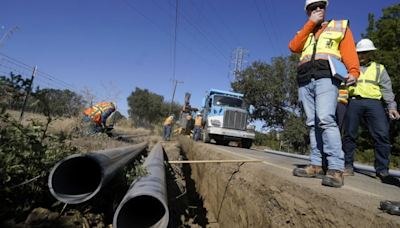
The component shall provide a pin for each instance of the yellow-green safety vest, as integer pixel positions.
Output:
(368, 83)
(327, 43)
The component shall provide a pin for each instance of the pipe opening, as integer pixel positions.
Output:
(76, 176)
(141, 212)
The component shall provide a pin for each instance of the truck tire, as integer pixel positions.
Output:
(246, 143)
(205, 136)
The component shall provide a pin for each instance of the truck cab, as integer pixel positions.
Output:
(226, 119)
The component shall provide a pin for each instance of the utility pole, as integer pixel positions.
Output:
(173, 95)
(238, 61)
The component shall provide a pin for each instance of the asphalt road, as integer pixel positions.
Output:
(361, 190)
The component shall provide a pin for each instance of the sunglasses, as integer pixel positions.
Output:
(314, 7)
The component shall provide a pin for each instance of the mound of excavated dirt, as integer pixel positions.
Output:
(246, 195)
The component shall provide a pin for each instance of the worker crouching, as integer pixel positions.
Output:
(96, 116)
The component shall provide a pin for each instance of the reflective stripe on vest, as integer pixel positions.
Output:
(96, 111)
(343, 94)
(368, 82)
(327, 43)
(198, 121)
(168, 120)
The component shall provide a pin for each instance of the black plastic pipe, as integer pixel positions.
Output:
(145, 203)
(77, 178)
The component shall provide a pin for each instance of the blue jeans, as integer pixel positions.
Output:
(196, 133)
(167, 131)
(92, 128)
(378, 127)
(319, 100)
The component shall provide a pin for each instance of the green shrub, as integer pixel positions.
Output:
(27, 153)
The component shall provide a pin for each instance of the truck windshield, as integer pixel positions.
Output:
(229, 101)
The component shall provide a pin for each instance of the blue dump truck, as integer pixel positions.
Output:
(226, 119)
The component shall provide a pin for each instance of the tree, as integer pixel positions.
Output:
(385, 33)
(117, 116)
(273, 90)
(148, 108)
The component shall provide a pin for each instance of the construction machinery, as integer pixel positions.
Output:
(186, 118)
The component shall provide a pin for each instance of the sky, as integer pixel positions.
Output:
(131, 42)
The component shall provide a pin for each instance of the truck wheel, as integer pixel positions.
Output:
(246, 143)
(205, 136)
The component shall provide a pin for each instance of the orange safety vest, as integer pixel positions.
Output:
(343, 94)
(198, 121)
(96, 111)
(168, 120)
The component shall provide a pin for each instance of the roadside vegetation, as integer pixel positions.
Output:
(30, 147)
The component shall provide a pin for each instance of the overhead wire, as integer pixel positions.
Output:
(194, 36)
(176, 32)
(195, 26)
(273, 27)
(218, 47)
(223, 22)
(172, 36)
(279, 27)
(212, 26)
(191, 46)
(265, 27)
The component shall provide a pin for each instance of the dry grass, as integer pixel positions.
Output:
(87, 143)
(131, 130)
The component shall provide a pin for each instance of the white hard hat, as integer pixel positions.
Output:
(365, 45)
(199, 113)
(114, 104)
(308, 2)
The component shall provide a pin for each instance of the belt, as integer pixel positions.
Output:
(358, 97)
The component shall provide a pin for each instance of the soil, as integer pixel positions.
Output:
(238, 196)
(185, 204)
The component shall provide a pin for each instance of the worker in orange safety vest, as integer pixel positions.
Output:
(96, 116)
(197, 127)
(167, 126)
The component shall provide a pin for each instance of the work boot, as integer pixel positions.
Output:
(309, 171)
(390, 207)
(348, 171)
(382, 175)
(333, 178)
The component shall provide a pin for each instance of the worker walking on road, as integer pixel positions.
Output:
(197, 127)
(167, 126)
(373, 84)
(318, 90)
(96, 116)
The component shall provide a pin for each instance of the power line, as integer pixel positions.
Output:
(279, 27)
(265, 27)
(195, 30)
(212, 26)
(191, 46)
(223, 22)
(176, 31)
(172, 36)
(273, 27)
(205, 32)
(195, 37)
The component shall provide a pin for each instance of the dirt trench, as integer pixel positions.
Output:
(245, 195)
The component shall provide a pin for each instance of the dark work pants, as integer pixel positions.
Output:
(340, 114)
(378, 127)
